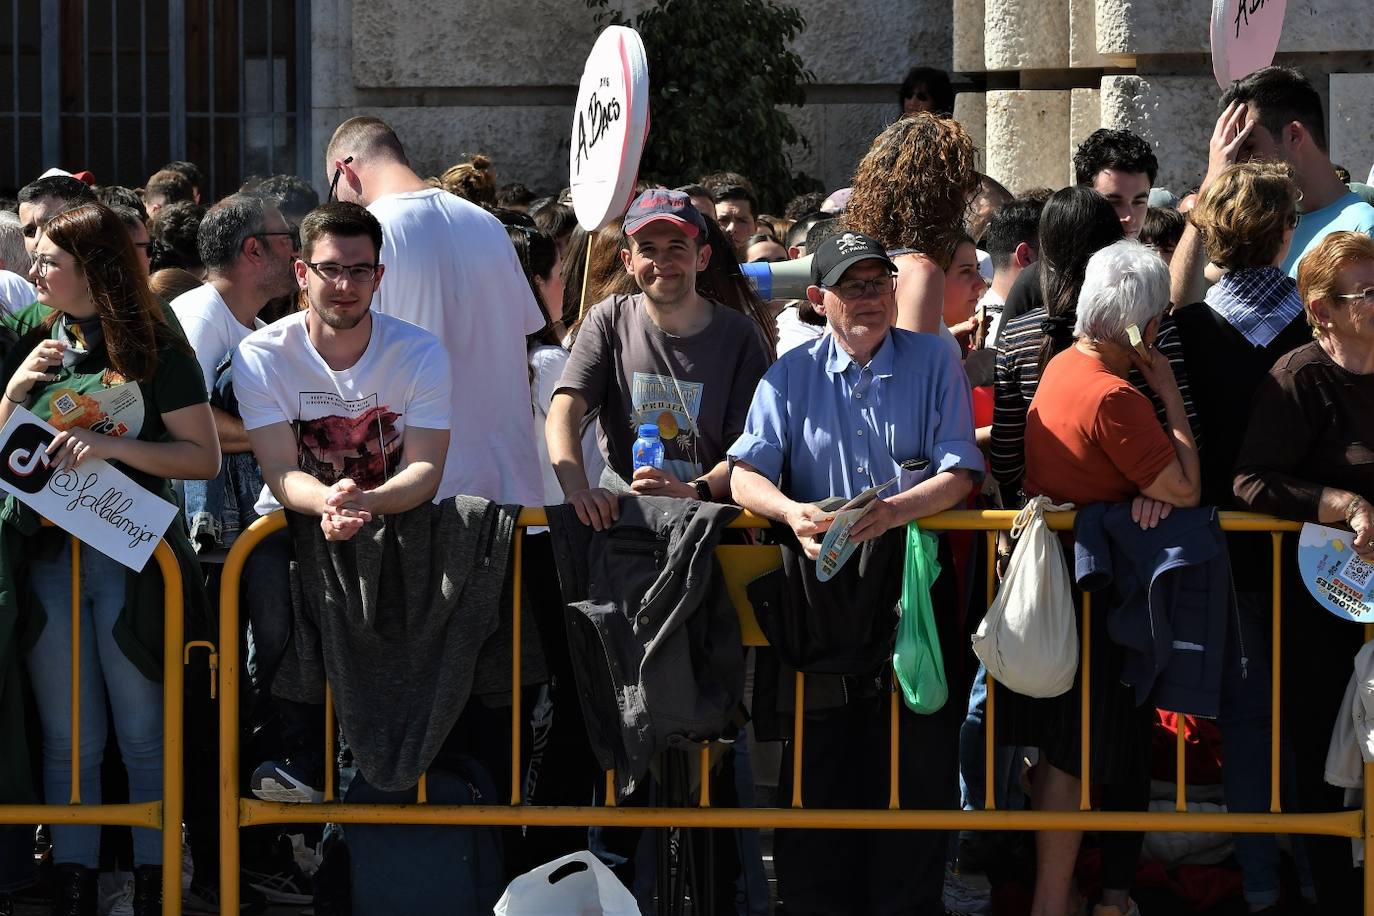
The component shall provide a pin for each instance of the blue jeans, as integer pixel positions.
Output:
(973, 757)
(136, 702)
(1245, 733)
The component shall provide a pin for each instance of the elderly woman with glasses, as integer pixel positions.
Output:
(1308, 455)
(1093, 437)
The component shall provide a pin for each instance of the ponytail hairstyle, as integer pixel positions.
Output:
(1075, 224)
(474, 180)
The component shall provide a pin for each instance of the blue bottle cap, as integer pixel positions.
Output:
(648, 430)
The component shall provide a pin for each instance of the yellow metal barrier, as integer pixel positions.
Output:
(741, 564)
(162, 815)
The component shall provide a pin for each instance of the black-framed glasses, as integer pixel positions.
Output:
(338, 173)
(858, 289)
(1365, 296)
(333, 273)
(42, 264)
(290, 232)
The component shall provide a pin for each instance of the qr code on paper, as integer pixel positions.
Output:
(65, 404)
(1358, 573)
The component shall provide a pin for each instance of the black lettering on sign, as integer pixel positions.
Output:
(1244, 10)
(592, 125)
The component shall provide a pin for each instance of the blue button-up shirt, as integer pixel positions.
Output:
(821, 425)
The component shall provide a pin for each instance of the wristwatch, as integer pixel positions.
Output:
(1352, 508)
(703, 490)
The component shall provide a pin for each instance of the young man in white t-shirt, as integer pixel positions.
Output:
(452, 270)
(348, 413)
(248, 251)
(347, 410)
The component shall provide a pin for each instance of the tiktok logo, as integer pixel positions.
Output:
(24, 461)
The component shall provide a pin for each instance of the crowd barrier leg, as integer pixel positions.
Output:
(173, 727)
(229, 708)
(76, 672)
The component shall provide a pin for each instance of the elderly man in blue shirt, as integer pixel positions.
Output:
(834, 419)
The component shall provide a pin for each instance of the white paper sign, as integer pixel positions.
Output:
(96, 503)
(609, 126)
(1245, 35)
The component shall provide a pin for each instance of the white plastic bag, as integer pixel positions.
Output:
(1029, 637)
(575, 885)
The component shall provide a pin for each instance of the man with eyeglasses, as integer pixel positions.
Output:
(348, 412)
(248, 251)
(865, 404)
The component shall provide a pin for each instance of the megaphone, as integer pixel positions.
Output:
(780, 279)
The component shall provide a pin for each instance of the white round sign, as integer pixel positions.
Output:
(609, 127)
(1245, 35)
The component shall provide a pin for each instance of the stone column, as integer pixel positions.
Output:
(1027, 145)
(1026, 34)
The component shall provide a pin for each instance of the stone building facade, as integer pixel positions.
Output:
(495, 77)
(1058, 69)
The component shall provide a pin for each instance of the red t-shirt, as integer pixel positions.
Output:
(1091, 437)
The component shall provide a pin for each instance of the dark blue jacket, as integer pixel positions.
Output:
(1174, 600)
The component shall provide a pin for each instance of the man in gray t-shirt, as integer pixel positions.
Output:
(666, 356)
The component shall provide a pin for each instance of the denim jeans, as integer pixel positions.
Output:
(1245, 731)
(135, 701)
(973, 757)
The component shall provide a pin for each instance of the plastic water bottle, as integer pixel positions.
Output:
(647, 451)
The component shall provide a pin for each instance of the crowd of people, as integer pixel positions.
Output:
(405, 365)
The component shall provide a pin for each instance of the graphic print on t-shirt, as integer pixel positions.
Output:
(106, 404)
(338, 438)
(674, 406)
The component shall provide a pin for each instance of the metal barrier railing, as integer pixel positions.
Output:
(165, 815)
(741, 564)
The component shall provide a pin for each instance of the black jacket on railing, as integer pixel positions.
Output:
(653, 634)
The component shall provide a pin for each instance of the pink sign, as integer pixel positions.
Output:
(1245, 35)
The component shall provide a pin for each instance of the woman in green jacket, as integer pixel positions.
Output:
(97, 360)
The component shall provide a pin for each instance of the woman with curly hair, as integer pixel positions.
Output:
(910, 193)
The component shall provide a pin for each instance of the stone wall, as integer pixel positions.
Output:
(457, 77)
(1145, 66)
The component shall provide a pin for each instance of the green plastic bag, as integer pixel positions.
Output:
(917, 661)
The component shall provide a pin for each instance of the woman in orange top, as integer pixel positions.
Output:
(1091, 437)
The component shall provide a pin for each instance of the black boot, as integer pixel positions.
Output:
(148, 890)
(76, 891)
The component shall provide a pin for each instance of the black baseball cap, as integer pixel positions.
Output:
(837, 254)
(662, 204)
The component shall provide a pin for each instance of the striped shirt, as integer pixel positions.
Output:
(1018, 373)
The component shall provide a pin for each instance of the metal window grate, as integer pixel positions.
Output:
(122, 86)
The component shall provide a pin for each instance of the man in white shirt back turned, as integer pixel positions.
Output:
(452, 270)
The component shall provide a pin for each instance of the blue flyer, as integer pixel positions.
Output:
(1334, 574)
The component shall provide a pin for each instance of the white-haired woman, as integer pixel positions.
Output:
(1093, 437)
